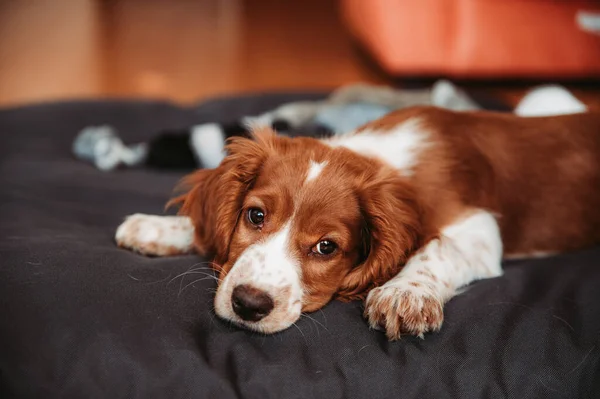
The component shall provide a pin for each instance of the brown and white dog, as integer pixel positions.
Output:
(401, 213)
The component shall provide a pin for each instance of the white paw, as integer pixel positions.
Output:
(404, 307)
(156, 235)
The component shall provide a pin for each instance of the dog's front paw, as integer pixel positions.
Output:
(156, 235)
(401, 307)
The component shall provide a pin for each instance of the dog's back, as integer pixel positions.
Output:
(540, 175)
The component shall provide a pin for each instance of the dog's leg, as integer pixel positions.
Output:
(412, 302)
(156, 235)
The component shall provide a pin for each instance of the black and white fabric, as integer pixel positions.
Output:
(203, 145)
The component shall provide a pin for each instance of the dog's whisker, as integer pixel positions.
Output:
(193, 282)
(196, 270)
(192, 270)
(324, 315)
(199, 272)
(303, 336)
(312, 323)
(206, 274)
(315, 321)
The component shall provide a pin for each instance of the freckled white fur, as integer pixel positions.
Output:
(270, 267)
(398, 147)
(315, 170)
(165, 233)
(468, 250)
(278, 266)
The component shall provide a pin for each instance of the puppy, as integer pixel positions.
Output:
(401, 213)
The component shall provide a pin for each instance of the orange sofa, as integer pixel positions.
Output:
(479, 38)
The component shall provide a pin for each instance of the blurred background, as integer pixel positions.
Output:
(188, 50)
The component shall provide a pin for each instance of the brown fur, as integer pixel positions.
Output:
(541, 176)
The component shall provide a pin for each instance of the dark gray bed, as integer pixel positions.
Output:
(81, 318)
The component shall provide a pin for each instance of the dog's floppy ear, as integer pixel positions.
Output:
(391, 232)
(214, 197)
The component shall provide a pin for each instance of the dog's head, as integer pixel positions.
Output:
(293, 222)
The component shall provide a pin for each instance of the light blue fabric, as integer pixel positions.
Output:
(344, 118)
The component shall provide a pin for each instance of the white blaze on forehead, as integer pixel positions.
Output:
(314, 170)
(399, 147)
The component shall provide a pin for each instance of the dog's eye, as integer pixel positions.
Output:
(256, 216)
(325, 247)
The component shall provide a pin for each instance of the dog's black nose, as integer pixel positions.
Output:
(250, 303)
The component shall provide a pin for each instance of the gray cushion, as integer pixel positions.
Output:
(81, 318)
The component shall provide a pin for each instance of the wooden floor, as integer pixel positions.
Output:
(181, 50)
